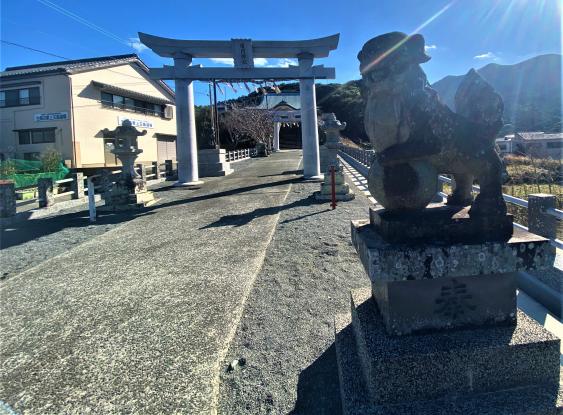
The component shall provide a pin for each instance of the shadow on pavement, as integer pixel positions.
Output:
(22, 232)
(19, 233)
(245, 218)
(318, 388)
(224, 193)
(285, 173)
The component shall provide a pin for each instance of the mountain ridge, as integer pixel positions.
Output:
(530, 89)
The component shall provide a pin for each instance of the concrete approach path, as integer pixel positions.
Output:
(139, 319)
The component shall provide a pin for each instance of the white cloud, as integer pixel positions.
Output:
(279, 63)
(283, 63)
(223, 61)
(488, 55)
(136, 44)
(260, 61)
(430, 47)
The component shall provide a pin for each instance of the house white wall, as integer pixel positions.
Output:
(54, 98)
(86, 115)
(90, 117)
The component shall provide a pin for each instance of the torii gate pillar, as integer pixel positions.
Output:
(277, 127)
(186, 139)
(309, 132)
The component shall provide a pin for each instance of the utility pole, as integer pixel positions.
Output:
(217, 143)
(212, 110)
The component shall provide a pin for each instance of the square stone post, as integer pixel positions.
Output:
(77, 185)
(45, 190)
(7, 198)
(186, 141)
(168, 168)
(156, 170)
(309, 132)
(539, 221)
(142, 172)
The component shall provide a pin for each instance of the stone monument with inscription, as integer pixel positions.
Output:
(332, 127)
(438, 330)
(129, 190)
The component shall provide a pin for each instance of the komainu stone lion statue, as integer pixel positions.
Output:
(416, 136)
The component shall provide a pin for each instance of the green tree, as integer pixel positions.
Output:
(50, 160)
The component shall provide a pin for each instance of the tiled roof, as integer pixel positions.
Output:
(539, 135)
(112, 89)
(75, 66)
(270, 101)
(71, 66)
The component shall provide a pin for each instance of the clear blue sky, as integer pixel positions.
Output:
(460, 34)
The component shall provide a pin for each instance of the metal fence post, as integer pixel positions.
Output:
(539, 221)
(91, 200)
(46, 196)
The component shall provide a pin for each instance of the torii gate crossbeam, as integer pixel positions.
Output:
(243, 52)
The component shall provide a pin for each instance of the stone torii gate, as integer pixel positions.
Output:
(243, 52)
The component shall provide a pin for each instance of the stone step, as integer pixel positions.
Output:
(429, 366)
(531, 400)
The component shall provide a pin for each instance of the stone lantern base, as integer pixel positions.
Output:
(438, 331)
(343, 191)
(121, 196)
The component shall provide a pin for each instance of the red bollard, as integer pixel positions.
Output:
(333, 187)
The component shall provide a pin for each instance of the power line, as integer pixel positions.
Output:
(83, 21)
(33, 49)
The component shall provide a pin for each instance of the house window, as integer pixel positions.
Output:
(129, 104)
(118, 102)
(36, 136)
(107, 99)
(19, 97)
(555, 144)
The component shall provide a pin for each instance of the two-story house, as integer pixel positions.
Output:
(66, 105)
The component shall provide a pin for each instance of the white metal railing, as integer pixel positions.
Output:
(242, 154)
(365, 157)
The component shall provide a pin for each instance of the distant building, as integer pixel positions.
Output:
(65, 105)
(287, 109)
(538, 144)
(505, 144)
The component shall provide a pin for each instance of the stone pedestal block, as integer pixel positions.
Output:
(489, 370)
(46, 196)
(7, 198)
(443, 303)
(212, 162)
(439, 223)
(423, 287)
(384, 261)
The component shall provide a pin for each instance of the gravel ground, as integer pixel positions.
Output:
(286, 335)
(27, 244)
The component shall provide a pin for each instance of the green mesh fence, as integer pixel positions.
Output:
(25, 173)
